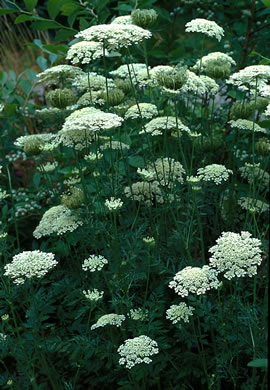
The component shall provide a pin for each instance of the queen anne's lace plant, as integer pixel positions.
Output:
(59, 220)
(93, 295)
(29, 265)
(210, 84)
(145, 111)
(81, 126)
(48, 167)
(236, 255)
(178, 313)
(94, 263)
(253, 205)
(251, 77)
(214, 58)
(264, 91)
(158, 126)
(97, 82)
(165, 170)
(123, 73)
(109, 319)
(115, 36)
(113, 204)
(252, 172)
(93, 156)
(245, 124)
(212, 29)
(54, 74)
(194, 280)
(3, 194)
(24, 140)
(139, 314)
(145, 192)
(126, 19)
(85, 52)
(194, 85)
(114, 145)
(214, 173)
(137, 350)
(267, 111)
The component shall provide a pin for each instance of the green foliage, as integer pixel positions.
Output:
(166, 223)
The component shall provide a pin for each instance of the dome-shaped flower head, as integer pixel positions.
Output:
(84, 52)
(137, 350)
(115, 36)
(251, 77)
(109, 319)
(29, 265)
(194, 280)
(178, 313)
(236, 255)
(216, 173)
(212, 29)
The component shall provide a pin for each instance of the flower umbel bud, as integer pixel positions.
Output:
(115, 96)
(74, 199)
(60, 98)
(144, 18)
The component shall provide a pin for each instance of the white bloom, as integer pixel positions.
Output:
(210, 84)
(55, 73)
(49, 167)
(214, 172)
(113, 204)
(245, 124)
(137, 350)
(123, 73)
(114, 145)
(267, 111)
(255, 205)
(178, 313)
(94, 263)
(250, 77)
(30, 264)
(236, 254)
(115, 36)
(139, 314)
(93, 295)
(214, 58)
(212, 29)
(264, 91)
(85, 52)
(145, 111)
(59, 220)
(194, 85)
(109, 319)
(158, 126)
(122, 20)
(97, 82)
(194, 280)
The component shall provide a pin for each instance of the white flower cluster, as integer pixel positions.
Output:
(250, 77)
(97, 82)
(137, 350)
(208, 27)
(194, 85)
(165, 170)
(253, 172)
(3, 194)
(245, 124)
(113, 204)
(194, 280)
(94, 263)
(145, 111)
(48, 167)
(109, 319)
(93, 295)
(158, 126)
(126, 19)
(214, 173)
(145, 192)
(210, 84)
(139, 314)
(115, 36)
(53, 74)
(27, 139)
(236, 254)
(217, 58)
(178, 313)
(93, 156)
(264, 91)
(84, 52)
(114, 145)
(123, 73)
(253, 205)
(267, 111)
(59, 220)
(81, 126)
(29, 265)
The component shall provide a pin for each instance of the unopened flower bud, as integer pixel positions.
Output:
(241, 110)
(60, 98)
(144, 18)
(114, 97)
(74, 199)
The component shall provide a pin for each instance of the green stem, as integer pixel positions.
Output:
(14, 209)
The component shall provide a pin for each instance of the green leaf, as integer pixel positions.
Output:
(258, 363)
(36, 179)
(45, 25)
(69, 7)
(10, 109)
(54, 7)
(5, 11)
(56, 48)
(83, 24)
(42, 63)
(136, 161)
(63, 35)
(3, 77)
(30, 4)
(24, 18)
(26, 85)
(267, 3)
